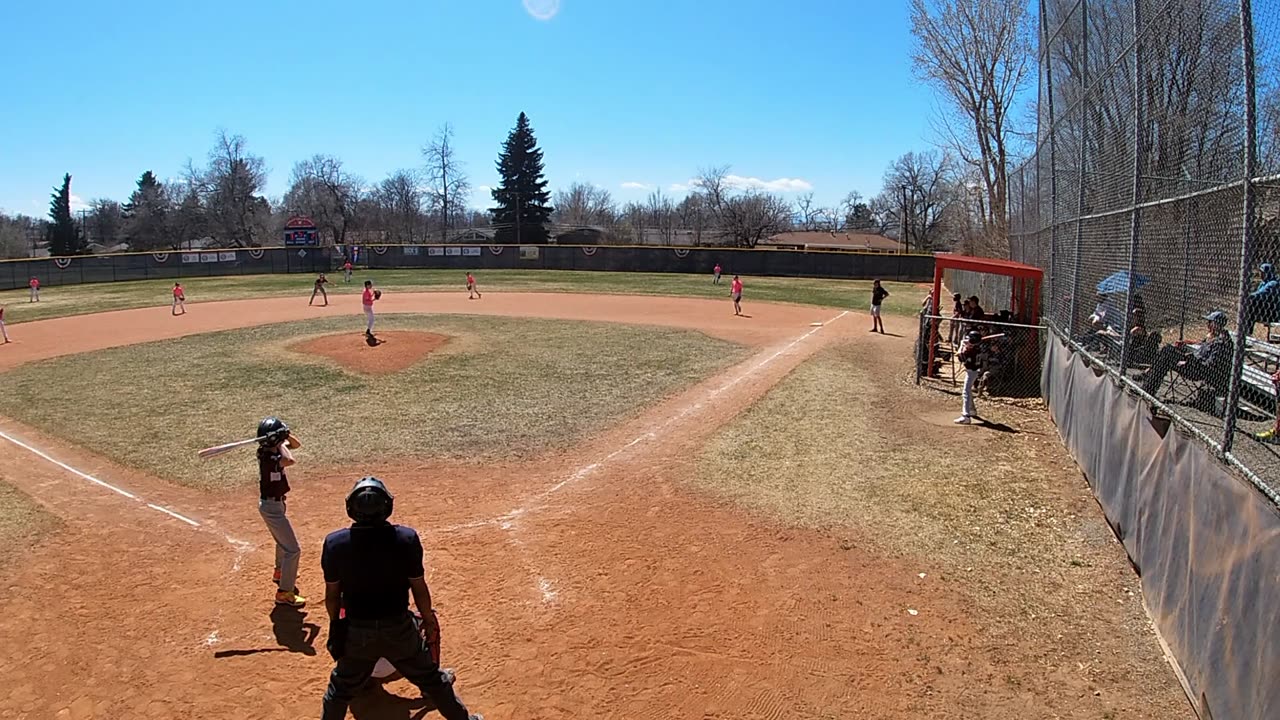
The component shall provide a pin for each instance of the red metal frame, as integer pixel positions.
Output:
(1021, 274)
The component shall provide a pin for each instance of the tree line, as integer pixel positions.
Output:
(928, 200)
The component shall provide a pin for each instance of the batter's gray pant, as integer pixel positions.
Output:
(287, 549)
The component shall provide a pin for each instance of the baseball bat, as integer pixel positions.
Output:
(219, 449)
(993, 337)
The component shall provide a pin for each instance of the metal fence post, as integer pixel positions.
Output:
(1083, 159)
(1250, 213)
(1135, 218)
(1045, 81)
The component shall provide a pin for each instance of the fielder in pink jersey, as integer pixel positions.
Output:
(735, 291)
(3, 331)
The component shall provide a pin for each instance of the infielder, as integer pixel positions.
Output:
(370, 295)
(471, 287)
(179, 299)
(715, 276)
(735, 291)
(275, 443)
(319, 288)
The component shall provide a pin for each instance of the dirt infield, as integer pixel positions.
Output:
(591, 584)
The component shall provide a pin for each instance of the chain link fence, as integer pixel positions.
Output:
(1152, 202)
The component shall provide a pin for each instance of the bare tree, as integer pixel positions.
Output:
(399, 201)
(105, 222)
(583, 204)
(807, 211)
(660, 212)
(918, 190)
(746, 218)
(18, 235)
(321, 189)
(232, 184)
(447, 184)
(977, 54)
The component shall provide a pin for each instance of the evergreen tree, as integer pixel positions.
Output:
(147, 215)
(523, 204)
(64, 235)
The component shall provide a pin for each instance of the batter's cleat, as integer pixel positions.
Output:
(1268, 436)
(275, 576)
(292, 599)
(964, 420)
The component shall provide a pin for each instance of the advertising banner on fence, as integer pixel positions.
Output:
(190, 257)
(434, 251)
(528, 252)
(227, 256)
(410, 249)
(471, 251)
(453, 251)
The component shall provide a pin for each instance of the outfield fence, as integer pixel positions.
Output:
(205, 263)
(1152, 202)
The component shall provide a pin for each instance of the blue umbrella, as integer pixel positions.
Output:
(1119, 283)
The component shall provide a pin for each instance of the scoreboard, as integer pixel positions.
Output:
(301, 231)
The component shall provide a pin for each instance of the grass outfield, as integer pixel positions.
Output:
(22, 521)
(904, 298)
(501, 388)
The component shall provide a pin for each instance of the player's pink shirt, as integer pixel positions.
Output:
(34, 283)
(177, 291)
(346, 266)
(717, 269)
(737, 286)
(470, 280)
(368, 297)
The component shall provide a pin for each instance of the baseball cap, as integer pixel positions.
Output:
(1217, 317)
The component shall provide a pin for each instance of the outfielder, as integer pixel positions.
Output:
(735, 291)
(275, 441)
(370, 295)
(346, 271)
(370, 569)
(35, 290)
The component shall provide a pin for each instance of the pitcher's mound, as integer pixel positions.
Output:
(397, 350)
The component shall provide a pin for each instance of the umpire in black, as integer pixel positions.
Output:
(369, 570)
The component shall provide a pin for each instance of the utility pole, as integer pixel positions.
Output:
(517, 194)
(906, 227)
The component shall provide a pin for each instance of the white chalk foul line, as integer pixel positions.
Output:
(86, 476)
(651, 434)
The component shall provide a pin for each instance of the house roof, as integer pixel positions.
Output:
(837, 241)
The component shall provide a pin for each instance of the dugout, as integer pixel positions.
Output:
(1023, 306)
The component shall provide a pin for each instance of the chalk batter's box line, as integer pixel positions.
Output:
(83, 475)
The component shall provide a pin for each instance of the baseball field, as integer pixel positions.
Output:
(634, 504)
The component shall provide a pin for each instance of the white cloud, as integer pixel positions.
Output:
(738, 182)
(778, 185)
(634, 186)
(542, 9)
(77, 204)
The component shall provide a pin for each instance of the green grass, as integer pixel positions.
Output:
(22, 521)
(904, 298)
(502, 388)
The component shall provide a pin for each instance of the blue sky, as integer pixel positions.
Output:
(620, 93)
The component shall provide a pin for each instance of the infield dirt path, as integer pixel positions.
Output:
(592, 584)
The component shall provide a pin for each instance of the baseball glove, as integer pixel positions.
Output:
(377, 294)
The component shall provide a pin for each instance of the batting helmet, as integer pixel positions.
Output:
(974, 336)
(272, 431)
(370, 502)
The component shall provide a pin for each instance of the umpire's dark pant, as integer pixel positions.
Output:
(398, 640)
